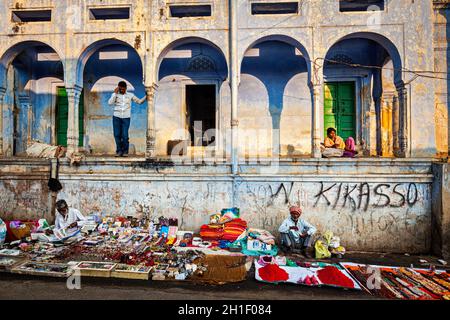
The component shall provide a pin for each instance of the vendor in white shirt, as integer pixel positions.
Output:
(67, 218)
(297, 233)
(121, 101)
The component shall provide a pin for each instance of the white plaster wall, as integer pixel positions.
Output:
(295, 125)
(255, 121)
(168, 113)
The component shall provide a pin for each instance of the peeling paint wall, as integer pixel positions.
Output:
(389, 212)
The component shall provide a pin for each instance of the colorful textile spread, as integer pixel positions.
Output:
(268, 269)
(229, 231)
(402, 283)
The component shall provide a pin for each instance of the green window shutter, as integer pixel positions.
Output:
(62, 117)
(330, 107)
(81, 119)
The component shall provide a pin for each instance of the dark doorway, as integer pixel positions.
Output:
(201, 113)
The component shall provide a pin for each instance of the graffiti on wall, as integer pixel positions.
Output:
(361, 196)
(365, 215)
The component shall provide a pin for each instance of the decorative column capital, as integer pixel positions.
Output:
(24, 98)
(2, 93)
(74, 92)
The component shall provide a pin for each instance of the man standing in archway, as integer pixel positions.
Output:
(121, 100)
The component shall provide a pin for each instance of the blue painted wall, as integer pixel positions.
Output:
(98, 90)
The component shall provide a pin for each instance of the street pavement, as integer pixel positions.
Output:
(15, 286)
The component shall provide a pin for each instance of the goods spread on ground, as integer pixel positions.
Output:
(281, 269)
(145, 249)
(222, 251)
(402, 283)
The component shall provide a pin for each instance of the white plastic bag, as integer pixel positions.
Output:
(335, 242)
(2, 231)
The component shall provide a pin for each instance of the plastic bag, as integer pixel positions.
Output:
(2, 231)
(321, 250)
(335, 242)
(327, 236)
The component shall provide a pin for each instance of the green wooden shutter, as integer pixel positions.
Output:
(62, 118)
(339, 108)
(330, 107)
(81, 119)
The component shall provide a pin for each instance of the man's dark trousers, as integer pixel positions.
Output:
(121, 126)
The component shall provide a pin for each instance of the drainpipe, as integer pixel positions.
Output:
(2, 97)
(234, 78)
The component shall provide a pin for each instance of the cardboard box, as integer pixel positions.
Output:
(60, 270)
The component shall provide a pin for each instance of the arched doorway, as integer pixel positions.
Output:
(100, 68)
(188, 106)
(364, 94)
(31, 74)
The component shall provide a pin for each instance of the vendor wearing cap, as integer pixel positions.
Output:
(297, 233)
(66, 217)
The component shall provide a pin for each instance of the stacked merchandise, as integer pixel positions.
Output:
(210, 232)
(402, 283)
(225, 227)
(234, 229)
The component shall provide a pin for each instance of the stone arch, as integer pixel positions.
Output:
(385, 42)
(94, 47)
(185, 41)
(282, 38)
(12, 52)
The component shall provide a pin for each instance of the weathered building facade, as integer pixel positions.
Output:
(247, 88)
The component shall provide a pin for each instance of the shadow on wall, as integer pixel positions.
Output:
(278, 66)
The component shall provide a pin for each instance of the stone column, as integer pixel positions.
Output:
(73, 129)
(234, 85)
(403, 120)
(150, 150)
(2, 97)
(317, 119)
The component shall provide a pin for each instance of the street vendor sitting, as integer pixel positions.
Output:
(297, 233)
(67, 218)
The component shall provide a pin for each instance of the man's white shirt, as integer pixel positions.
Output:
(302, 225)
(72, 216)
(122, 104)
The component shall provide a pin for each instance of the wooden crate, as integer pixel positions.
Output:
(7, 267)
(95, 269)
(43, 269)
(123, 271)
